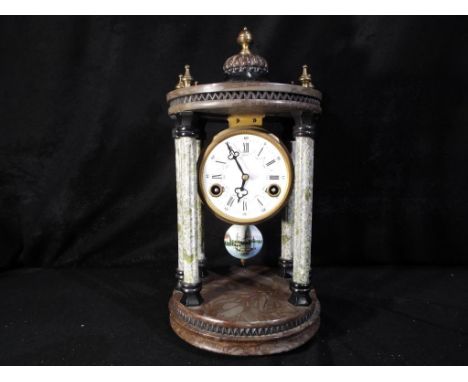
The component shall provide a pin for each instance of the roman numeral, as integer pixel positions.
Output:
(260, 151)
(216, 176)
(246, 147)
(244, 205)
(260, 202)
(218, 161)
(271, 162)
(230, 201)
(274, 177)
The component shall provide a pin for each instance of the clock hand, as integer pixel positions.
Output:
(242, 191)
(233, 155)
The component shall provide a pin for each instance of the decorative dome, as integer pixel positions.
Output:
(245, 65)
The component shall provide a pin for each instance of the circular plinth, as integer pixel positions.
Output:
(245, 312)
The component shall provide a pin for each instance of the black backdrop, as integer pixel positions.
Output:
(86, 154)
(87, 180)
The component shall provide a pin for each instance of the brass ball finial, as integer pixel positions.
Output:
(244, 39)
(187, 78)
(306, 78)
(180, 84)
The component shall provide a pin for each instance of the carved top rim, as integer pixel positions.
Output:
(244, 86)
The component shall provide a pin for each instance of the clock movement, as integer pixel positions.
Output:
(244, 176)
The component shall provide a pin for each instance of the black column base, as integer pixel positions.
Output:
(285, 268)
(202, 269)
(191, 294)
(300, 295)
(179, 275)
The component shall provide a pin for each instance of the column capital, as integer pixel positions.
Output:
(185, 125)
(285, 268)
(191, 294)
(300, 295)
(179, 275)
(202, 268)
(305, 124)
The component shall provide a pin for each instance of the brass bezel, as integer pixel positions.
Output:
(260, 132)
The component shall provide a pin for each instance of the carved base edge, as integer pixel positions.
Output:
(239, 341)
(246, 348)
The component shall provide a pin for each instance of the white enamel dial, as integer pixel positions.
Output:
(245, 175)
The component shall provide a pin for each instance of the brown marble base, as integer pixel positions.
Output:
(245, 313)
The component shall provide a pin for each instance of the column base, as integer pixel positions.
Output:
(285, 268)
(202, 269)
(191, 294)
(179, 275)
(300, 295)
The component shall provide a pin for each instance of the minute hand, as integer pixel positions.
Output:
(240, 168)
(233, 155)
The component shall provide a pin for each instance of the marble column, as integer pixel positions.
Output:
(287, 236)
(302, 215)
(200, 234)
(187, 150)
(180, 264)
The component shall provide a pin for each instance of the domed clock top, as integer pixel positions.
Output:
(245, 65)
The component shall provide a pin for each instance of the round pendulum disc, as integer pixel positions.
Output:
(243, 241)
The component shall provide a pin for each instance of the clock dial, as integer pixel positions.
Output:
(245, 175)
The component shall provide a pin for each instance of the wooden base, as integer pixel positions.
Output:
(245, 312)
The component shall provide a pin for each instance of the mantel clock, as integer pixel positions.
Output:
(245, 176)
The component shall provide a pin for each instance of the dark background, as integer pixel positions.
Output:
(87, 180)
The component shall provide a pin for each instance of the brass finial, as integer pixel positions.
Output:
(305, 78)
(244, 39)
(180, 84)
(187, 77)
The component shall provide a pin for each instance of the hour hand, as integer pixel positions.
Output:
(240, 192)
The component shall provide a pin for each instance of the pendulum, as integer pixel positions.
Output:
(243, 241)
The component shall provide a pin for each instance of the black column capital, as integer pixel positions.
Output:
(179, 275)
(300, 295)
(191, 294)
(305, 124)
(202, 268)
(186, 125)
(285, 268)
